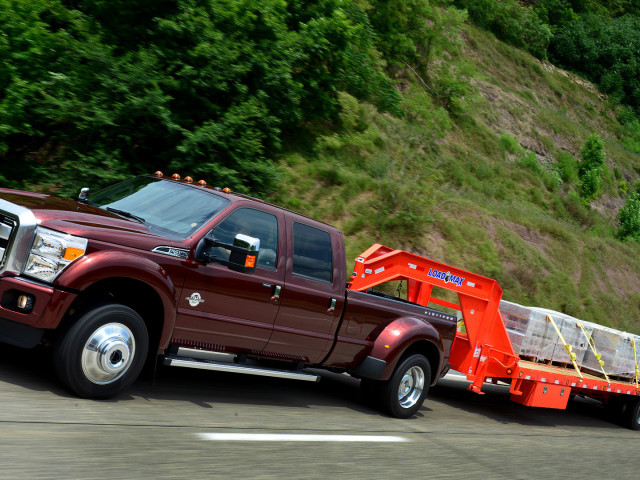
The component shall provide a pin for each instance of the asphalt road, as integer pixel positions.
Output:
(191, 424)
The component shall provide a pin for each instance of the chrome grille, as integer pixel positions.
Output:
(7, 226)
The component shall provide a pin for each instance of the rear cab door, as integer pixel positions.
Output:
(314, 294)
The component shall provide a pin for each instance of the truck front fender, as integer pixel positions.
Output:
(102, 265)
(396, 339)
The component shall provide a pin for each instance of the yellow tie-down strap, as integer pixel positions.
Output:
(592, 345)
(567, 347)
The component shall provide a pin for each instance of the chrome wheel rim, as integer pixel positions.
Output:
(411, 387)
(108, 353)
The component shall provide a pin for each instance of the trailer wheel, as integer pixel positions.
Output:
(613, 408)
(631, 413)
(103, 352)
(407, 388)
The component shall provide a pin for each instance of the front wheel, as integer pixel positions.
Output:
(103, 352)
(403, 395)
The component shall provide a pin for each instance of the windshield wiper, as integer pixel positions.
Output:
(126, 214)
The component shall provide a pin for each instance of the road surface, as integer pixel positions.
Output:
(192, 424)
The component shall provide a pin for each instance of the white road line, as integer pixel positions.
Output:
(285, 437)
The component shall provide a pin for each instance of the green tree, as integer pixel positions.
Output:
(629, 218)
(337, 42)
(590, 168)
(592, 154)
(413, 34)
(512, 22)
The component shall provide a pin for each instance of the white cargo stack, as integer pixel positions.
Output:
(553, 349)
(533, 337)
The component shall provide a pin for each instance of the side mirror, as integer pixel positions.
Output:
(243, 253)
(84, 193)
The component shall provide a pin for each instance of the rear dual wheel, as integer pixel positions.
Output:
(404, 393)
(103, 352)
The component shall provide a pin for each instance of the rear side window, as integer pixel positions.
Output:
(312, 255)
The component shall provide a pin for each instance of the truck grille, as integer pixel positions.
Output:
(7, 226)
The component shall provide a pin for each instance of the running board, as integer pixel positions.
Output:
(176, 361)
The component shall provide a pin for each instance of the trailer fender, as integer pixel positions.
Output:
(394, 341)
(92, 268)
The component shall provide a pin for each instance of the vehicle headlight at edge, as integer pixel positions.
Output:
(51, 252)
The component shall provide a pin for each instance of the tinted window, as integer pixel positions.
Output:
(312, 255)
(254, 223)
(172, 207)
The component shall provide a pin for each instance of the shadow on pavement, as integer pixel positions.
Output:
(496, 405)
(33, 370)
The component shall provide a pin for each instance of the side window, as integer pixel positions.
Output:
(312, 254)
(254, 223)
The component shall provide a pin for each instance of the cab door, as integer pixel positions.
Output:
(314, 294)
(220, 309)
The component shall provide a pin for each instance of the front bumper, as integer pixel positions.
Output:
(25, 327)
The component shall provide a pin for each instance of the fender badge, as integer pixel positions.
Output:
(195, 299)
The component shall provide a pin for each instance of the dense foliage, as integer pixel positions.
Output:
(606, 52)
(213, 87)
(511, 22)
(598, 39)
(202, 86)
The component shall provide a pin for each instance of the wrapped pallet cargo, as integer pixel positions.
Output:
(533, 337)
(552, 347)
(623, 361)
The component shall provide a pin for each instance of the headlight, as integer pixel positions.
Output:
(51, 252)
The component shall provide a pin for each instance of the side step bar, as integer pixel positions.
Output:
(189, 358)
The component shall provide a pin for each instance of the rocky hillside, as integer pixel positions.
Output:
(488, 183)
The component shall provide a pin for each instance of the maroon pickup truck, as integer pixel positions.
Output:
(157, 267)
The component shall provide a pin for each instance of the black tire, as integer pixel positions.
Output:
(614, 407)
(631, 413)
(404, 393)
(103, 352)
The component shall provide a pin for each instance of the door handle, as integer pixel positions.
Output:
(332, 305)
(276, 292)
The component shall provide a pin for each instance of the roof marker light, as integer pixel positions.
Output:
(158, 174)
(202, 183)
(188, 179)
(175, 176)
(226, 190)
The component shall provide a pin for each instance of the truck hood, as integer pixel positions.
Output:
(83, 220)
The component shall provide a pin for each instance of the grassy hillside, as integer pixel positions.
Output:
(488, 183)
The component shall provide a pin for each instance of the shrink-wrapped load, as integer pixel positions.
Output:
(516, 321)
(607, 341)
(533, 337)
(552, 348)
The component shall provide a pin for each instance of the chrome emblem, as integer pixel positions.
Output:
(195, 299)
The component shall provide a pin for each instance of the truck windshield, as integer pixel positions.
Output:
(161, 204)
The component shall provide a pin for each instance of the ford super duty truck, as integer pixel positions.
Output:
(157, 267)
